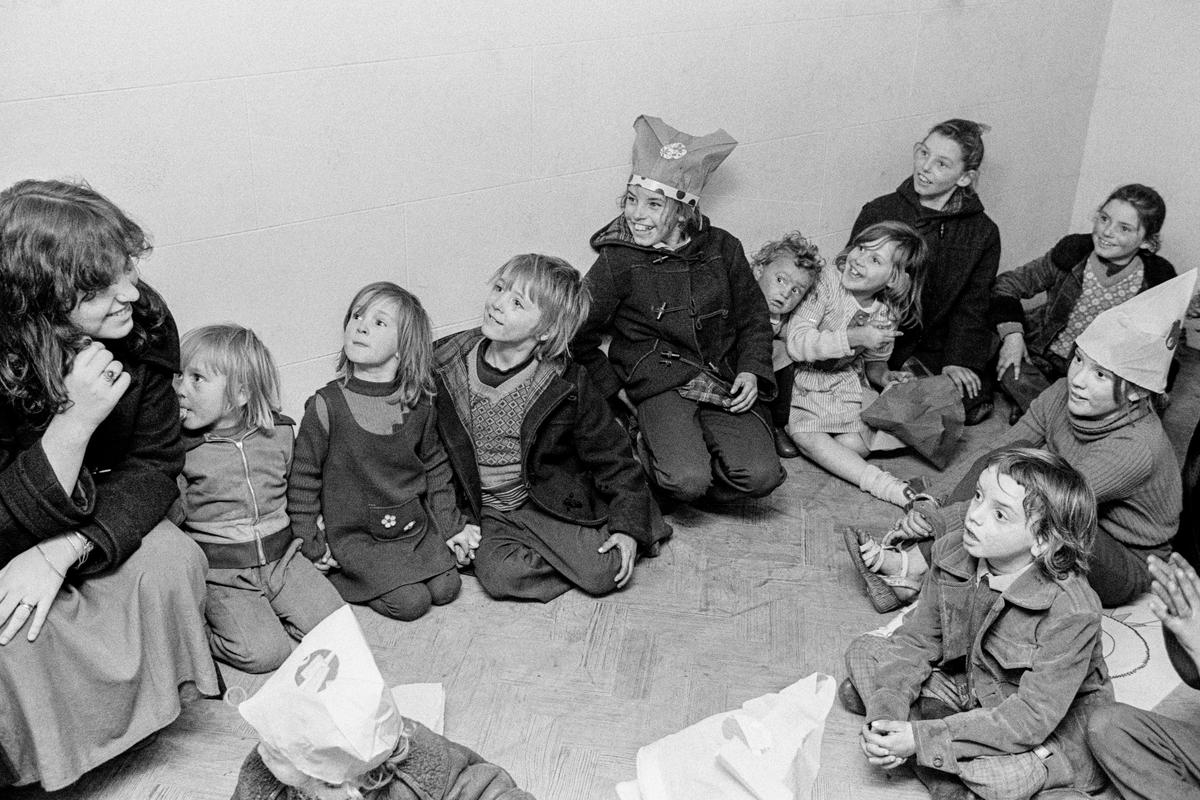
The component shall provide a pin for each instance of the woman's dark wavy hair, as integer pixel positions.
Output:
(59, 243)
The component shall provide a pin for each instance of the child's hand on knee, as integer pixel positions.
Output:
(627, 548)
(743, 392)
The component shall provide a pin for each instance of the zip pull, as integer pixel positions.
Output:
(662, 309)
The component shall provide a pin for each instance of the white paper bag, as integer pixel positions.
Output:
(770, 749)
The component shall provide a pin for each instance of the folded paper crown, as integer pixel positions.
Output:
(673, 162)
(1137, 339)
(326, 709)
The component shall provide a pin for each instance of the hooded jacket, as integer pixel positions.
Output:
(672, 314)
(964, 255)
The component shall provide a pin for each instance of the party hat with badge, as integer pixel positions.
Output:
(326, 709)
(675, 163)
(1137, 339)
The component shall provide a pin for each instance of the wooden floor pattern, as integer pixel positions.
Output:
(743, 601)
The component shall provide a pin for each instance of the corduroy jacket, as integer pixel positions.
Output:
(672, 313)
(1058, 273)
(127, 481)
(964, 254)
(575, 457)
(1035, 666)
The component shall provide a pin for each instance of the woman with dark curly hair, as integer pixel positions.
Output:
(101, 598)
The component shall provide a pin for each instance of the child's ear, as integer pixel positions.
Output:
(756, 270)
(1040, 547)
(242, 396)
(967, 178)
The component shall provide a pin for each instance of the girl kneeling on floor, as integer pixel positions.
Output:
(841, 337)
(690, 355)
(369, 463)
(1101, 420)
(539, 460)
(987, 685)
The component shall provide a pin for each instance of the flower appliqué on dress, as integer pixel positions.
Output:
(673, 151)
(388, 521)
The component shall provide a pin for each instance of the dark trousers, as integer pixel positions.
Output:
(697, 449)
(1147, 756)
(528, 555)
(781, 406)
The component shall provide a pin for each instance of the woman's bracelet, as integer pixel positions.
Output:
(49, 563)
(82, 548)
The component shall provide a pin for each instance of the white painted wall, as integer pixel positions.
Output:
(283, 152)
(1146, 118)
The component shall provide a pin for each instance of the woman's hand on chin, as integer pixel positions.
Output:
(94, 384)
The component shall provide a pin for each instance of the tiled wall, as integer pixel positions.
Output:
(1146, 118)
(284, 153)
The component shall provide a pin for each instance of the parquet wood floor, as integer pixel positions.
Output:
(743, 601)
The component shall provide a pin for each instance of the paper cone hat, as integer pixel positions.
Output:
(675, 163)
(326, 709)
(1137, 339)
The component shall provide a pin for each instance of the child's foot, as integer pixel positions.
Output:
(904, 566)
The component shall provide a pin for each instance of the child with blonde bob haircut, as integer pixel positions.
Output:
(369, 463)
(262, 594)
(539, 461)
(842, 336)
(989, 682)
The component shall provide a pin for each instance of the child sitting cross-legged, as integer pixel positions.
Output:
(539, 461)
(988, 683)
(786, 270)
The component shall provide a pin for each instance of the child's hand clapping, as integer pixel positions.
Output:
(1176, 601)
(870, 337)
(887, 743)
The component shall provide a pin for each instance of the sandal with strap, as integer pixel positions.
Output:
(882, 590)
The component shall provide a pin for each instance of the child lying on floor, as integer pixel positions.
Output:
(330, 730)
(988, 683)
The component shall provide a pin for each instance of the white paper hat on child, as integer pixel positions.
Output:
(675, 163)
(326, 709)
(1137, 339)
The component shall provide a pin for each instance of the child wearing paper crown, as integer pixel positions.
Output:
(262, 592)
(989, 681)
(841, 337)
(690, 354)
(369, 463)
(1100, 419)
(329, 729)
(539, 461)
(786, 269)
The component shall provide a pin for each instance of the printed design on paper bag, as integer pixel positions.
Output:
(673, 151)
(388, 521)
(317, 671)
(1173, 335)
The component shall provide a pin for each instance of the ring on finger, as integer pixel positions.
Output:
(111, 375)
(26, 604)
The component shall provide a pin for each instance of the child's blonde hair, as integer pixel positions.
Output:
(902, 294)
(414, 341)
(557, 289)
(238, 354)
(1059, 506)
(802, 250)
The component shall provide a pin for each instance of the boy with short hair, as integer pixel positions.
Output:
(1000, 663)
(539, 461)
(786, 269)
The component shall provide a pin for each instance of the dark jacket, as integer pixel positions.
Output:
(127, 481)
(672, 313)
(1058, 273)
(575, 457)
(1035, 665)
(964, 254)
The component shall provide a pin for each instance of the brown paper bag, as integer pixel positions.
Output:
(926, 414)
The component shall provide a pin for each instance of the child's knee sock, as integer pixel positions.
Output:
(884, 485)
